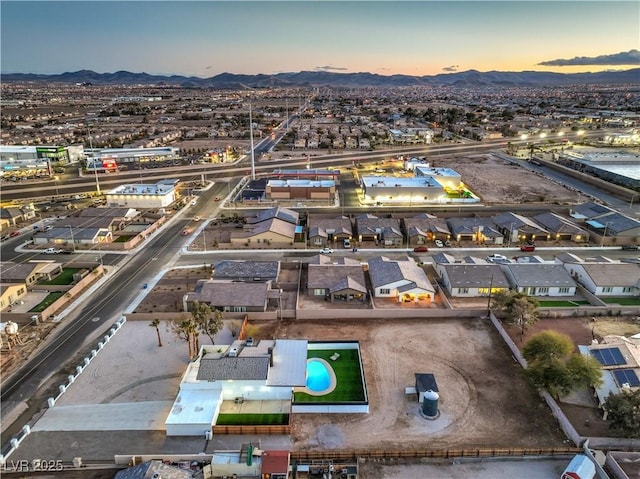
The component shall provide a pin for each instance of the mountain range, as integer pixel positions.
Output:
(470, 78)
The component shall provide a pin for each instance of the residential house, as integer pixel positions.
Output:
(478, 230)
(12, 216)
(28, 273)
(619, 357)
(246, 270)
(328, 231)
(607, 223)
(607, 278)
(270, 231)
(386, 231)
(561, 228)
(230, 296)
(342, 279)
(403, 280)
(518, 228)
(472, 280)
(73, 236)
(424, 228)
(540, 279)
(283, 214)
(265, 372)
(11, 293)
(153, 469)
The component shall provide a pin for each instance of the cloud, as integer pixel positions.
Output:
(329, 68)
(452, 68)
(631, 57)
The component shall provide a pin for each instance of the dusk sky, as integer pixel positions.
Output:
(205, 38)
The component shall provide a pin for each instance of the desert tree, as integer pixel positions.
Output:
(186, 328)
(623, 412)
(553, 364)
(212, 324)
(155, 324)
(516, 308)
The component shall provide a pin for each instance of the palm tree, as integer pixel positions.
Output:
(154, 324)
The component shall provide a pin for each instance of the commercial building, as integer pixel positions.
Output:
(159, 195)
(382, 190)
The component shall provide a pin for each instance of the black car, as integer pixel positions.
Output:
(629, 247)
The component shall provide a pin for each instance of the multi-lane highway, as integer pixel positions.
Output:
(47, 189)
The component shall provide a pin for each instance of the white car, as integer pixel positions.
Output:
(326, 250)
(497, 258)
(52, 251)
(439, 243)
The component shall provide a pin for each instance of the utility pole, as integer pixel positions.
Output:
(489, 300)
(95, 167)
(253, 160)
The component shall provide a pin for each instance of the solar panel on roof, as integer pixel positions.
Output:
(609, 356)
(627, 376)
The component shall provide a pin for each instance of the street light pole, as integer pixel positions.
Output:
(95, 167)
(73, 243)
(253, 160)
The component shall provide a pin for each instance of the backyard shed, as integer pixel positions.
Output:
(580, 467)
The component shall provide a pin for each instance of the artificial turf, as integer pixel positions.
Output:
(252, 420)
(349, 382)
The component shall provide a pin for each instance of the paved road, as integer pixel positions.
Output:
(94, 317)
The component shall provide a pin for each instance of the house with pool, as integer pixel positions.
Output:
(262, 383)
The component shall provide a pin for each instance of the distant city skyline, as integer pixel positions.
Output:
(206, 38)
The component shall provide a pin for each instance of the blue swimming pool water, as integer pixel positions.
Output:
(317, 376)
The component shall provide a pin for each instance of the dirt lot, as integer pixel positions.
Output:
(166, 296)
(484, 400)
(496, 181)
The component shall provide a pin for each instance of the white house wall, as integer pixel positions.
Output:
(254, 391)
(392, 287)
(578, 274)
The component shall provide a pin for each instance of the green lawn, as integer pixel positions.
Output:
(64, 278)
(48, 301)
(349, 385)
(624, 301)
(123, 238)
(252, 420)
(562, 304)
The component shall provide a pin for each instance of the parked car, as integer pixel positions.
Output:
(52, 251)
(217, 198)
(196, 218)
(185, 232)
(326, 250)
(447, 244)
(420, 249)
(527, 247)
(439, 243)
(629, 247)
(497, 258)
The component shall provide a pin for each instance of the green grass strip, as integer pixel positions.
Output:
(252, 420)
(64, 278)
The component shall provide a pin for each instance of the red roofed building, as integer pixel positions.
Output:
(275, 464)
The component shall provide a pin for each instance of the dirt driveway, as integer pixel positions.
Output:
(484, 400)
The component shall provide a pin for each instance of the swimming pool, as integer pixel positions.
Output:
(318, 378)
